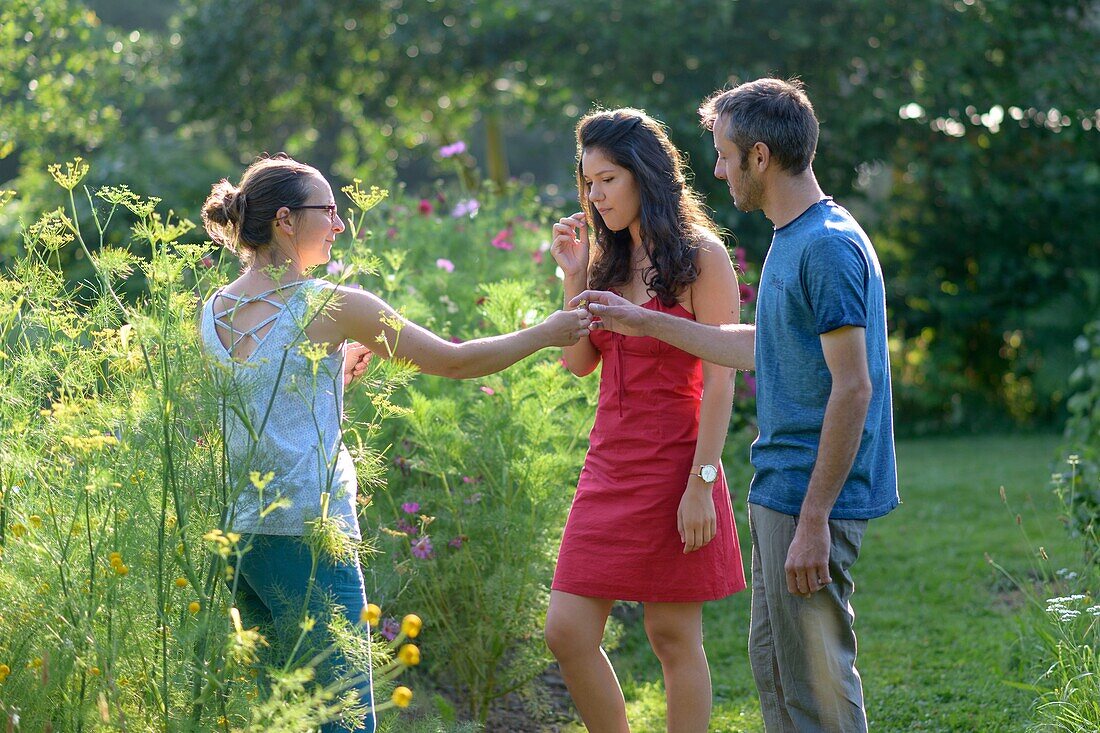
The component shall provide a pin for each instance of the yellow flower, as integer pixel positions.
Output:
(260, 481)
(409, 655)
(181, 582)
(5, 670)
(121, 569)
(36, 521)
(94, 671)
(194, 606)
(410, 625)
(370, 615)
(115, 558)
(18, 529)
(402, 696)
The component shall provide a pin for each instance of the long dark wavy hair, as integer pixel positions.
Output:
(672, 215)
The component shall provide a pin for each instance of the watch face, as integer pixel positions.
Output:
(708, 473)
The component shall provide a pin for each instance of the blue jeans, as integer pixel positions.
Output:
(272, 577)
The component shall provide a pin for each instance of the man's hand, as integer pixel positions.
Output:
(356, 359)
(615, 312)
(807, 563)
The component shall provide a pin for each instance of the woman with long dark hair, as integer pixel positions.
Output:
(651, 520)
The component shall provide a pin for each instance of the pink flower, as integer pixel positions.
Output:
(457, 542)
(537, 257)
(335, 267)
(739, 256)
(390, 628)
(469, 480)
(450, 151)
(465, 207)
(502, 239)
(488, 390)
(410, 529)
(422, 548)
(207, 261)
(391, 233)
(445, 264)
(748, 292)
(425, 207)
(455, 340)
(750, 383)
(410, 507)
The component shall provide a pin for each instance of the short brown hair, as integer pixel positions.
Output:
(771, 111)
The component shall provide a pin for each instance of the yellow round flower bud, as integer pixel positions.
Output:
(194, 606)
(402, 696)
(371, 614)
(181, 582)
(121, 569)
(115, 557)
(410, 625)
(409, 655)
(94, 671)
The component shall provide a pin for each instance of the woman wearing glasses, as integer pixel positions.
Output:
(284, 400)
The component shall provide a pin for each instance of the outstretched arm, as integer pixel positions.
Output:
(364, 317)
(730, 345)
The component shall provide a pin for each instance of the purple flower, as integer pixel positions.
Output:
(457, 542)
(450, 151)
(410, 507)
(750, 383)
(390, 628)
(335, 267)
(422, 548)
(409, 529)
(445, 264)
(424, 207)
(748, 292)
(466, 207)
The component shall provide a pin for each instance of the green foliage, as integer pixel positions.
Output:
(1080, 486)
(483, 469)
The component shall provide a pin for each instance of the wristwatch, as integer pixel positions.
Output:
(707, 472)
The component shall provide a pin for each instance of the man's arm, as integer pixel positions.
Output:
(730, 345)
(845, 351)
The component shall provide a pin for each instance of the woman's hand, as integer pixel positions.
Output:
(356, 359)
(696, 519)
(570, 245)
(565, 328)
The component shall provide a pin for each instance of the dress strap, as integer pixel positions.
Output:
(224, 318)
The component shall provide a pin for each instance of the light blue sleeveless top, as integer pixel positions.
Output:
(282, 415)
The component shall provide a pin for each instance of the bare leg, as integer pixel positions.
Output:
(675, 632)
(574, 631)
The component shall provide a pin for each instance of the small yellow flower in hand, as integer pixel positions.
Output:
(410, 625)
(402, 696)
(409, 655)
(372, 614)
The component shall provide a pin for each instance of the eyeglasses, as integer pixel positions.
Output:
(330, 208)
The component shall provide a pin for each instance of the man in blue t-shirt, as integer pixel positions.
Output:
(824, 459)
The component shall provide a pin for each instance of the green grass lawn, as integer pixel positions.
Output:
(937, 625)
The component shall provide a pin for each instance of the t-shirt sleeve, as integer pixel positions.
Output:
(834, 277)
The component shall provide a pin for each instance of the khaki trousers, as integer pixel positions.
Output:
(803, 650)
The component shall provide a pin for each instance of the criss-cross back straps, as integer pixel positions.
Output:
(224, 317)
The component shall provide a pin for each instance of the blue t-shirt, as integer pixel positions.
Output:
(821, 273)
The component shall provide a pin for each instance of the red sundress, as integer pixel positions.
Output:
(620, 540)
